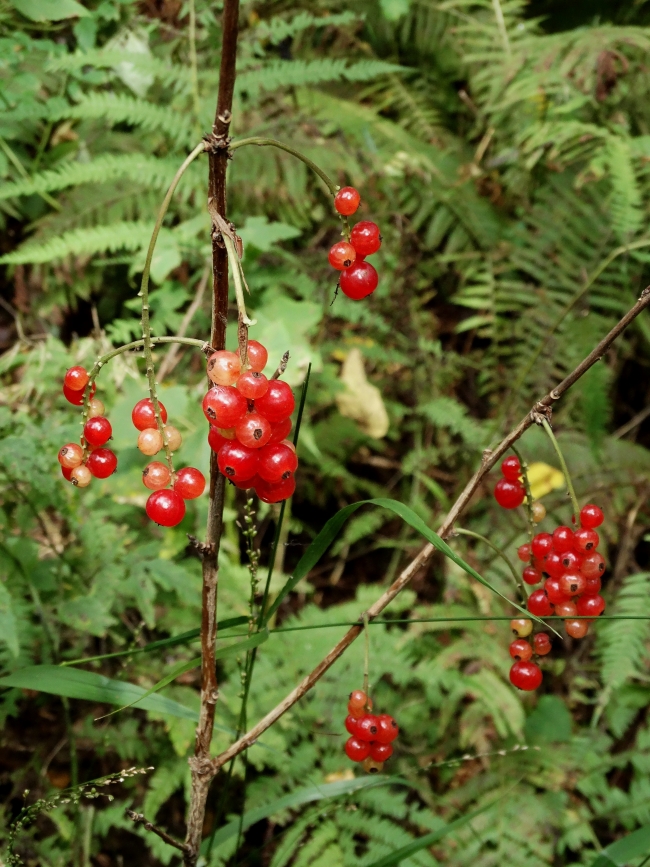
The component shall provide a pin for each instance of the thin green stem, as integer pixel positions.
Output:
(238, 279)
(529, 499)
(366, 654)
(270, 142)
(504, 557)
(565, 470)
(194, 66)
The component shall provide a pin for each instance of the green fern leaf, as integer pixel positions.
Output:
(278, 29)
(86, 242)
(622, 644)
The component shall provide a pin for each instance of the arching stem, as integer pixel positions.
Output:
(520, 587)
(243, 321)
(565, 471)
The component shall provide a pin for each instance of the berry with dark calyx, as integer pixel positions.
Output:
(252, 384)
(71, 455)
(76, 378)
(521, 627)
(523, 552)
(166, 508)
(236, 461)
(358, 699)
(277, 461)
(367, 727)
(66, 472)
(542, 643)
(573, 583)
(380, 752)
(102, 463)
(359, 280)
(254, 430)
(509, 494)
(539, 604)
(591, 517)
(351, 724)
(585, 541)
(257, 356)
(224, 367)
(280, 431)
(511, 468)
(538, 511)
(215, 439)
(76, 398)
(224, 406)
(576, 628)
(554, 591)
(275, 492)
(150, 441)
(566, 609)
(592, 605)
(341, 255)
(156, 475)
(387, 729)
(346, 201)
(189, 483)
(278, 403)
(531, 575)
(553, 565)
(81, 476)
(144, 416)
(592, 565)
(521, 649)
(562, 539)
(370, 766)
(95, 408)
(97, 431)
(570, 560)
(542, 545)
(356, 749)
(365, 237)
(526, 675)
(593, 585)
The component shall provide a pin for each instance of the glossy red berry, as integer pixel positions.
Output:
(236, 461)
(76, 378)
(257, 356)
(277, 461)
(66, 472)
(278, 403)
(521, 627)
(224, 406)
(523, 552)
(591, 605)
(509, 494)
(356, 749)
(357, 699)
(511, 468)
(562, 539)
(346, 201)
(252, 384)
(359, 280)
(387, 729)
(166, 508)
(351, 724)
(365, 237)
(566, 609)
(156, 475)
(246, 484)
(571, 561)
(591, 517)
(542, 644)
(585, 541)
(576, 628)
(143, 415)
(542, 545)
(275, 492)
(224, 367)
(189, 483)
(71, 455)
(380, 752)
(521, 649)
(553, 565)
(592, 565)
(76, 398)
(593, 585)
(531, 575)
(539, 604)
(215, 439)
(341, 255)
(254, 430)
(367, 727)
(554, 591)
(572, 583)
(102, 463)
(526, 675)
(81, 476)
(97, 431)
(280, 431)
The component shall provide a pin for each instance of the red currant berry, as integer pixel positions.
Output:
(370, 766)
(97, 431)
(278, 403)
(357, 699)
(539, 511)
(592, 605)
(246, 484)
(346, 201)
(166, 508)
(359, 280)
(509, 494)
(521, 649)
(95, 408)
(572, 583)
(342, 255)
(380, 752)
(275, 492)
(566, 609)
(280, 431)
(143, 415)
(76, 398)
(76, 378)
(224, 367)
(592, 565)
(511, 468)
(102, 463)
(553, 565)
(592, 585)
(387, 729)
(189, 483)
(525, 675)
(257, 356)
(252, 384)
(591, 517)
(356, 749)
(571, 561)
(542, 545)
(66, 472)
(155, 476)
(224, 406)
(277, 462)
(215, 439)
(254, 430)
(531, 575)
(351, 724)
(237, 462)
(365, 237)
(523, 552)
(542, 644)
(81, 476)
(576, 628)
(585, 541)
(521, 627)
(150, 441)
(562, 540)
(71, 455)
(554, 591)
(367, 727)
(539, 604)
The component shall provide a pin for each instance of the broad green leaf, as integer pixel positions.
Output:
(621, 852)
(8, 625)
(258, 232)
(49, 10)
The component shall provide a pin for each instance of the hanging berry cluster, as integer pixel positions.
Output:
(358, 277)
(371, 736)
(250, 420)
(569, 565)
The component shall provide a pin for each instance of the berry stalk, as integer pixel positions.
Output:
(500, 553)
(565, 470)
(529, 497)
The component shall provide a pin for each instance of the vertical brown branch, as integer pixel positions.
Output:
(217, 147)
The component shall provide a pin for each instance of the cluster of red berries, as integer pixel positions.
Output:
(250, 420)
(372, 735)
(509, 491)
(165, 506)
(358, 277)
(79, 463)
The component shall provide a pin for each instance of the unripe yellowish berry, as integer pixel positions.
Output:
(81, 476)
(370, 766)
(95, 408)
(521, 627)
(150, 441)
(173, 437)
(539, 511)
(71, 455)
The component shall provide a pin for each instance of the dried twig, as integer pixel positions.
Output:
(139, 819)
(282, 366)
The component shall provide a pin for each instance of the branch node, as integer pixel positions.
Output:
(541, 413)
(139, 819)
(215, 143)
(202, 549)
(200, 765)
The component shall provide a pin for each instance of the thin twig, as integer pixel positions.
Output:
(632, 423)
(139, 819)
(282, 366)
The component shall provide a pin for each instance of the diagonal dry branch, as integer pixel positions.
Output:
(541, 409)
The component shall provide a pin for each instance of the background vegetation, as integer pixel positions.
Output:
(504, 148)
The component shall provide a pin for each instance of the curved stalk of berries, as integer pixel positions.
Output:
(529, 498)
(243, 321)
(565, 470)
(271, 142)
(520, 587)
(366, 656)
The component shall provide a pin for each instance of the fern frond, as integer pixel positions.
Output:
(622, 644)
(169, 74)
(277, 29)
(82, 242)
